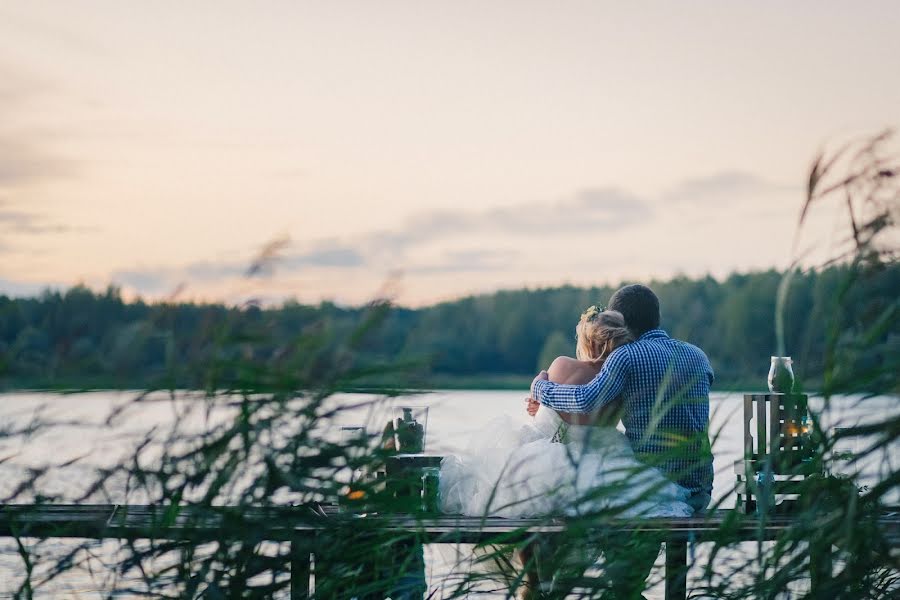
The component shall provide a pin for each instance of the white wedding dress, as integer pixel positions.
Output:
(549, 467)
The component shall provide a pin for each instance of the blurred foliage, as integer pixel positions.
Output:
(234, 456)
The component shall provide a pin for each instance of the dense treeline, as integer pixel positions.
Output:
(81, 338)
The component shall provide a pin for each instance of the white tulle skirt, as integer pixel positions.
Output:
(548, 467)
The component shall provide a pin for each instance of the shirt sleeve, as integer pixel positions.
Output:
(710, 373)
(602, 390)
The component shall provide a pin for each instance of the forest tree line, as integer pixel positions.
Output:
(81, 338)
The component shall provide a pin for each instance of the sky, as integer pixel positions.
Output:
(436, 148)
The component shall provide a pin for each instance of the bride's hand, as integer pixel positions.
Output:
(532, 406)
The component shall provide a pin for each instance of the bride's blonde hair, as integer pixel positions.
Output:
(599, 333)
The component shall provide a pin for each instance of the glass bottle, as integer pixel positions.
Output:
(781, 375)
(431, 481)
(409, 429)
(765, 492)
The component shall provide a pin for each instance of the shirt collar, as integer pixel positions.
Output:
(654, 333)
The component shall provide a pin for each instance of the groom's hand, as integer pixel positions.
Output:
(531, 406)
(542, 376)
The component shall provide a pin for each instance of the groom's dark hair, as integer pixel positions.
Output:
(640, 307)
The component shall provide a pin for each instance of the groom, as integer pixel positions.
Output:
(663, 385)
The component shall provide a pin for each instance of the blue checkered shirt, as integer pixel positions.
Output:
(663, 384)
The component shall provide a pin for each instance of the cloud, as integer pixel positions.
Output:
(29, 223)
(467, 261)
(146, 281)
(491, 244)
(592, 209)
(23, 289)
(209, 271)
(25, 160)
(596, 209)
(17, 87)
(66, 39)
(25, 156)
(159, 280)
(330, 256)
(723, 187)
(336, 256)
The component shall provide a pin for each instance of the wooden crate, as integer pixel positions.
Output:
(776, 443)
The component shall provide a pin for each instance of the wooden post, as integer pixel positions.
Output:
(776, 433)
(819, 568)
(762, 448)
(742, 468)
(748, 438)
(676, 569)
(299, 571)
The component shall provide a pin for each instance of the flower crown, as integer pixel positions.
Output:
(592, 312)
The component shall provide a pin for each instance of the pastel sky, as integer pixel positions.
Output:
(444, 147)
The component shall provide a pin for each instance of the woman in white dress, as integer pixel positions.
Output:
(560, 463)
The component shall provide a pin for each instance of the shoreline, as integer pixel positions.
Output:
(417, 384)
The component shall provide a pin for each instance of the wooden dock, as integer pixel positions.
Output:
(296, 523)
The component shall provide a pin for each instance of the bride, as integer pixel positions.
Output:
(560, 463)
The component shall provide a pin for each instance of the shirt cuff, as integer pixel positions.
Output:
(539, 387)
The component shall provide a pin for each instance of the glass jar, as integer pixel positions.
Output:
(410, 424)
(765, 492)
(781, 375)
(431, 481)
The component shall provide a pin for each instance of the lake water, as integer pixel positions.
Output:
(80, 432)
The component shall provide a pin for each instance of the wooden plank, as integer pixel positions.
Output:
(300, 571)
(775, 436)
(778, 487)
(748, 415)
(820, 569)
(676, 569)
(761, 446)
(286, 523)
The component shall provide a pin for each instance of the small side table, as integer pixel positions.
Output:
(404, 478)
(776, 449)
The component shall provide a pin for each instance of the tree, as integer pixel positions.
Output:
(556, 344)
